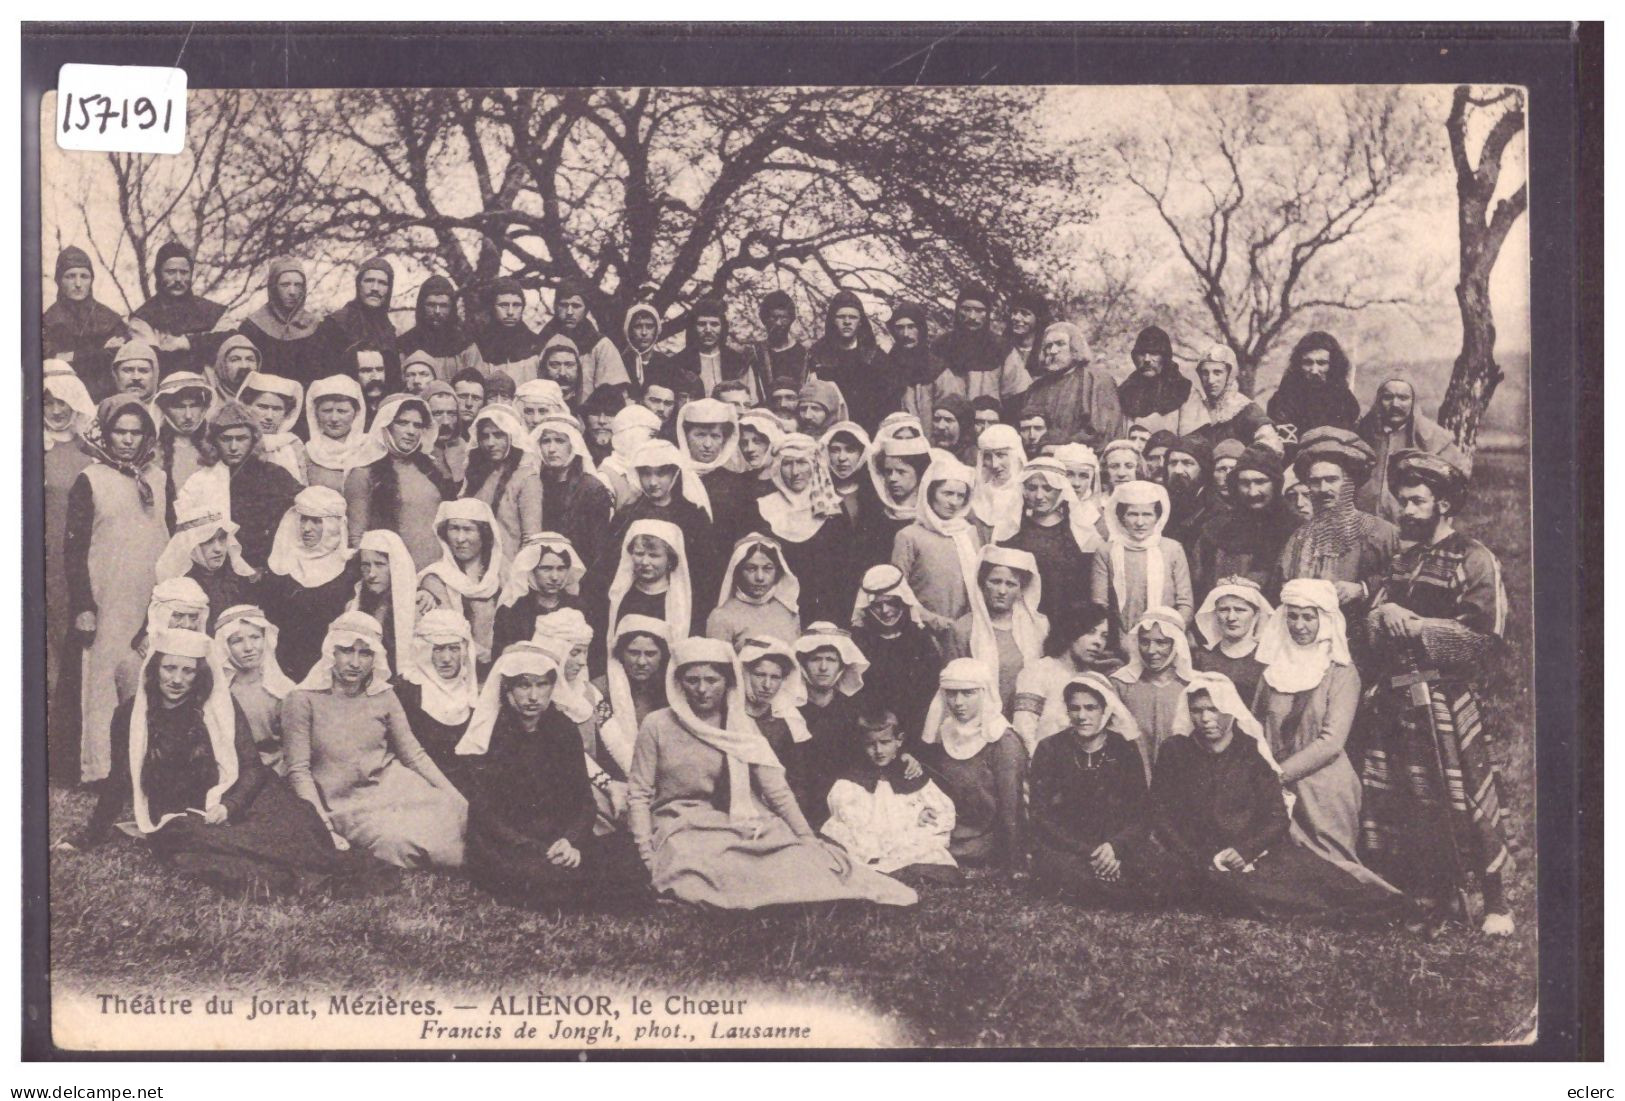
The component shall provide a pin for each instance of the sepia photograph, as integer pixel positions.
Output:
(674, 568)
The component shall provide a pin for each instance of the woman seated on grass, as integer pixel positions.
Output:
(975, 756)
(704, 753)
(245, 651)
(530, 803)
(203, 800)
(352, 755)
(1090, 805)
(438, 687)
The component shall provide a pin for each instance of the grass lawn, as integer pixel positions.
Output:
(989, 964)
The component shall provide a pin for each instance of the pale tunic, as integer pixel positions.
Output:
(1153, 704)
(1128, 608)
(264, 714)
(126, 539)
(735, 620)
(324, 476)
(883, 829)
(930, 565)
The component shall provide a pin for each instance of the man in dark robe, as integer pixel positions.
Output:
(1431, 815)
(1245, 538)
(79, 329)
(911, 359)
(779, 354)
(848, 356)
(1314, 391)
(705, 358)
(1394, 424)
(572, 317)
(1191, 500)
(976, 359)
(438, 331)
(283, 330)
(1154, 392)
(182, 323)
(362, 320)
(953, 427)
(1078, 401)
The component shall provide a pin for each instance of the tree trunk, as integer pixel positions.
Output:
(1476, 375)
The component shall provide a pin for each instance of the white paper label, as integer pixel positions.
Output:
(121, 108)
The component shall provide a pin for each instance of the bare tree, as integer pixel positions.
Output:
(1276, 199)
(1476, 375)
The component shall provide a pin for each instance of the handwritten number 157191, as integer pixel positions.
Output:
(100, 111)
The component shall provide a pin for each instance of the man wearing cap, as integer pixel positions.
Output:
(1431, 814)
(601, 364)
(1154, 393)
(77, 328)
(183, 448)
(1246, 538)
(182, 324)
(975, 359)
(1340, 544)
(362, 322)
(135, 370)
(1078, 401)
(779, 354)
(1187, 469)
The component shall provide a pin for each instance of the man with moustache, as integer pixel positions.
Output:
(1191, 497)
(439, 331)
(135, 370)
(1340, 544)
(600, 364)
(1154, 393)
(363, 321)
(779, 354)
(369, 366)
(1245, 539)
(182, 323)
(975, 359)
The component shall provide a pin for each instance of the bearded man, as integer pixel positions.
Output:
(1246, 538)
(182, 324)
(1340, 544)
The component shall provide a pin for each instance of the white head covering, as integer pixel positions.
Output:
(884, 580)
(194, 527)
(892, 423)
(1293, 668)
(403, 588)
(489, 585)
(281, 447)
(709, 411)
(792, 694)
(322, 450)
(1027, 626)
(1173, 625)
(679, 594)
(1223, 693)
(561, 632)
(999, 506)
(824, 635)
(219, 719)
(1207, 622)
(768, 424)
(290, 557)
(517, 660)
(178, 594)
(858, 433)
(567, 426)
(788, 589)
(63, 384)
(1080, 518)
(619, 734)
(542, 394)
(445, 701)
(1080, 456)
(275, 682)
(796, 517)
(892, 447)
(946, 468)
(377, 442)
(519, 582)
(962, 741)
(506, 421)
(350, 629)
(629, 430)
(1120, 541)
(737, 739)
(657, 453)
(1117, 713)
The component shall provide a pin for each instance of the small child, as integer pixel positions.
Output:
(885, 817)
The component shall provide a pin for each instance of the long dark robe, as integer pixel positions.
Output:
(225, 588)
(190, 316)
(302, 615)
(1244, 672)
(902, 672)
(439, 740)
(1083, 800)
(1157, 395)
(869, 385)
(517, 621)
(1242, 543)
(342, 331)
(261, 493)
(578, 506)
(83, 329)
(733, 496)
(1063, 568)
(824, 565)
(819, 762)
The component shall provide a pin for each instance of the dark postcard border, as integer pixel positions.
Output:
(1560, 65)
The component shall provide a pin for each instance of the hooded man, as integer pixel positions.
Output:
(1188, 469)
(705, 355)
(1077, 401)
(1314, 391)
(1394, 424)
(182, 324)
(912, 361)
(1340, 544)
(561, 362)
(975, 359)
(640, 361)
(600, 363)
(80, 330)
(848, 356)
(1026, 317)
(1218, 410)
(598, 413)
(135, 370)
(779, 354)
(1246, 538)
(183, 402)
(1153, 394)
(283, 331)
(438, 332)
(362, 320)
(952, 427)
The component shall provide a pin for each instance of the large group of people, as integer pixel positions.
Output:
(598, 619)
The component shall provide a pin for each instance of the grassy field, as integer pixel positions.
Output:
(989, 964)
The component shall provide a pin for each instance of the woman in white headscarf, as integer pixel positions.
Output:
(1082, 468)
(976, 756)
(469, 574)
(996, 502)
(275, 404)
(69, 415)
(629, 429)
(889, 628)
(634, 686)
(179, 604)
(530, 801)
(760, 851)
(386, 588)
(760, 432)
(205, 549)
(245, 651)
(203, 801)
(806, 516)
(1152, 683)
(438, 686)
(897, 467)
(505, 472)
(774, 694)
(1138, 568)
(576, 501)
(937, 553)
(335, 427)
(538, 398)
(395, 483)
(760, 596)
(310, 577)
(544, 577)
(566, 636)
(1057, 531)
(1230, 623)
(353, 756)
(652, 578)
(1004, 629)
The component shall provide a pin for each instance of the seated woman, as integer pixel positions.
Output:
(505, 472)
(774, 694)
(1090, 801)
(204, 549)
(544, 577)
(805, 516)
(634, 686)
(996, 501)
(310, 577)
(1306, 701)
(468, 576)
(889, 817)
(1220, 820)
(437, 685)
(387, 589)
(890, 628)
(352, 755)
(1004, 629)
(704, 752)
(275, 404)
(1078, 642)
(530, 805)
(178, 603)
(1153, 682)
(245, 652)
(566, 636)
(937, 552)
(975, 756)
(334, 429)
(203, 801)
(1229, 620)
(1058, 532)
(652, 578)
(760, 595)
